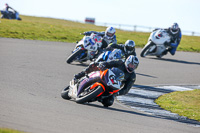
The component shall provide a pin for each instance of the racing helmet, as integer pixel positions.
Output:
(174, 28)
(129, 46)
(131, 63)
(110, 32)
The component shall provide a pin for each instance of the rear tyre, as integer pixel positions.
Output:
(73, 56)
(145, 50)
(64, 93)
(88, 94)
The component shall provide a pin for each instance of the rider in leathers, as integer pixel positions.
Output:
(108, 36)
(175, 33)
(6, 9)
(128, 48)
(127, 67)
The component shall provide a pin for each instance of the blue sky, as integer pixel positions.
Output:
(151, 13)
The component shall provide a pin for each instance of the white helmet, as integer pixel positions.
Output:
(110, 32)
(131, 63)
(174, 28)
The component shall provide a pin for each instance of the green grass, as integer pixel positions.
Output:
(184, 103)
(48, 29)
(6, 130)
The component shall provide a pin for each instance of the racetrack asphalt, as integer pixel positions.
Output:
(33, 73)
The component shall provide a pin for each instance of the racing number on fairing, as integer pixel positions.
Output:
(112, 79)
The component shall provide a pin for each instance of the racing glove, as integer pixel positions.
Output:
(101, 66)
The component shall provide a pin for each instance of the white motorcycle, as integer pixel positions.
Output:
(86, 49)
(156, 44)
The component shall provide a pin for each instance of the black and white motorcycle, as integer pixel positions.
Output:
(156, 44)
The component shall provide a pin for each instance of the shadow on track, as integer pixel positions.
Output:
(151, 88)
(79, 64)
(176, 61)
(146, 75)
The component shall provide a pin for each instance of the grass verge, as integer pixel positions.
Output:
(48, 29)
(6, 130)
(184, 103)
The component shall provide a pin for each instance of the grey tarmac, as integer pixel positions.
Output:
(33, 73)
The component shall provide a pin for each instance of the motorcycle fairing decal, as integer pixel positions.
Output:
(112, 81)
(91, 41)
(114, 91)
(81, 85)
(98, 84)
(95, 74)
(103, 73)
(106, 55)
(97, 38)
(87, 82)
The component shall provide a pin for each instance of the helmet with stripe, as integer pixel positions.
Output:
(131, 63)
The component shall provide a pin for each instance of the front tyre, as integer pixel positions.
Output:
(73, 56)
(147, 49)
(64, 93)
(89, 95)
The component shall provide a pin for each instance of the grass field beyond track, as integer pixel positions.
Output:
(48, 29)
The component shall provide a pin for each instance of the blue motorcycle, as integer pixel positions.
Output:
(10, 15)
(110, 55)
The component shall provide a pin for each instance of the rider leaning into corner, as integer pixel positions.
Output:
(108, 36)
(128, 48)
(175, 33)
(128, 67)
(6, 9)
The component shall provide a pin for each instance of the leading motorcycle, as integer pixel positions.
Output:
(96, 86)
(86, 49)
(156, 44)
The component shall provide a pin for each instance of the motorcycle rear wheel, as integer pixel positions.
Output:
(73, 56)
(89, 95)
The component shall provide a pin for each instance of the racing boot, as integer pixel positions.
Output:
(163, 53)
(108, 101)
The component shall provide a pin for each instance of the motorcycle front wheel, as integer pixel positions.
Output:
(148, 49)
(87, 95)
(73, 56)
(64, 93)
